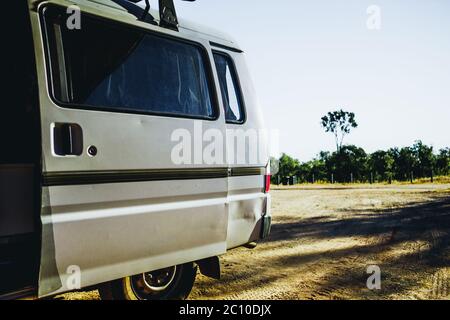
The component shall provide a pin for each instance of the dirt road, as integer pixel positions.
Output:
(323, 239)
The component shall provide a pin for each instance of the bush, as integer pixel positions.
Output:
(353, 164)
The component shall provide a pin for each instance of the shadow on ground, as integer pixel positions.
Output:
(411, 222)
(408, 243)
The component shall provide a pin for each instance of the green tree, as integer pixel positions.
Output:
(381, 165)
(304, 172)
(406, 162)
(352, 161)
(314, 170)
(287, 167)
(425, 159)
(389, 164)
(443, 162)
(340, 124)
(349, 161)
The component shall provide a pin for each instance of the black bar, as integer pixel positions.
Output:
(102, 177)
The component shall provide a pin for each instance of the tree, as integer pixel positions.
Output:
(340, 124)
(406, 162)
(381, 165)
(425, 159)
(443, 162)
(377, 164)
(287, 167)
(349, 161)
(314, 170)
(389, 165)
(353, 162)
(394, 155)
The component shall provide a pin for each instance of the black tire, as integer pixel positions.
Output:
(130, 288)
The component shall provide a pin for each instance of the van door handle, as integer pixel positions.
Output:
(67, 139)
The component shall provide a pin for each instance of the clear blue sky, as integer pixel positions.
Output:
(309, 57)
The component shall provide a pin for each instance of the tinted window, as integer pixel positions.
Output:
(109, 66)
(229, 87)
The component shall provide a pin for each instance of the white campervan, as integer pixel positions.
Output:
(132, 150)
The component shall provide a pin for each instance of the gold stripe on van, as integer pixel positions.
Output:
(122, 176)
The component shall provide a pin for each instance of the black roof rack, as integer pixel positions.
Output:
(167, 14)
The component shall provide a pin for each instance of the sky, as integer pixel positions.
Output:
(310, 57)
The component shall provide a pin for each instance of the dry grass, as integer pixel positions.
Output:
(321, 184)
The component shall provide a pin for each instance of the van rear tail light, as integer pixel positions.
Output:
(267, 183)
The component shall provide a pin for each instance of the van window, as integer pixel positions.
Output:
(108, 66)
(229, 87)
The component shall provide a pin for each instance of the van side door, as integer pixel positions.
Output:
(247, 154)
(123, 190)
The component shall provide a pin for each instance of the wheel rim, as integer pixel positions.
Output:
(152, 283)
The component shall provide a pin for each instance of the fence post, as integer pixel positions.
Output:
(371, 177)
(432, 178)
(412, 177)
(351, 177)
(313, 179)
(332, 178)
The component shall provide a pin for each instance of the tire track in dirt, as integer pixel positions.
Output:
(441, 285)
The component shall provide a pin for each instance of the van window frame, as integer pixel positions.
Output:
(236, 79)
(49, 62)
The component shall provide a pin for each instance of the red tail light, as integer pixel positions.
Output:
(267, 183)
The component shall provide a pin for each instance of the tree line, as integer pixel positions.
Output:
(350, 163)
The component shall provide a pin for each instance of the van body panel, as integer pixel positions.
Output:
(247, 206)
(113, 230)
(120, 227)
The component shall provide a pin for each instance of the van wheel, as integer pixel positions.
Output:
(174, 283)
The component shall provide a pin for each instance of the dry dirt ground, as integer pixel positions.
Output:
(324, 238)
